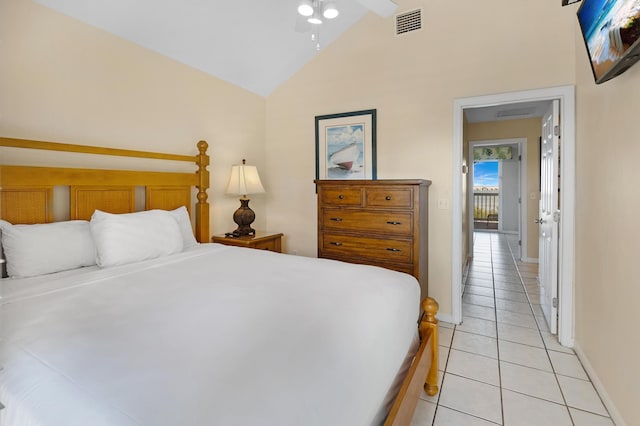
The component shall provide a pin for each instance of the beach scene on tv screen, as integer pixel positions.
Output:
(610, 28)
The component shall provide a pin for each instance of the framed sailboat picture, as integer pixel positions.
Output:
(346, 145)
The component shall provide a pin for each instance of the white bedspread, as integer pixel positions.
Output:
(217, 335)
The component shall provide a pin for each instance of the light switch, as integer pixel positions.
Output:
(443, 203)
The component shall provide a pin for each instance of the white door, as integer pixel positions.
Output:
(510, 192)
(549, 215)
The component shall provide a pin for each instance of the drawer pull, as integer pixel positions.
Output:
(394, 223)
(336, 243)
(336, 219)
(388, 198)
(341, 197)
(393, 249)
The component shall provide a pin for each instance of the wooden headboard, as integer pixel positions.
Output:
(26, 192)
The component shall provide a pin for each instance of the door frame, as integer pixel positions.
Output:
(522, 171)
(566, 284)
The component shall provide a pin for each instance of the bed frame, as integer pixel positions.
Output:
(423, 373)
(26, 197)
(26, 194)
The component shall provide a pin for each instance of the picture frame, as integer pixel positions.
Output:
(346, 145)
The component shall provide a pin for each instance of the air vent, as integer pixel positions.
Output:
(408, 21)
(516, 112)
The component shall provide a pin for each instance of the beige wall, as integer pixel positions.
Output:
(65, 81)
(607, 230)
(530, 129)
(412, 81)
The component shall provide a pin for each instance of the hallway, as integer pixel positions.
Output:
(502, 366)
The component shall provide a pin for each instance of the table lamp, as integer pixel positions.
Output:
(244, 180)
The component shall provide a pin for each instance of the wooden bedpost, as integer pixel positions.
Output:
(429, 322)
(202, 206)
(423, 373)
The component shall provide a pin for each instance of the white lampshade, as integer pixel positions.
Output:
(244, 180)
(305, 8)
(315, 18)
(330, 10)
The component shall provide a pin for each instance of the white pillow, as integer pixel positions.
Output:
(132, 237)
(184, 223)
(39, 249)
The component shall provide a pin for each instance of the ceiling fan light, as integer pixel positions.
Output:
(315, 18)
(305, 8)
(330, 10)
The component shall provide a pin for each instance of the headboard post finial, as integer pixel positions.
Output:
(202, 206)
(202, 147)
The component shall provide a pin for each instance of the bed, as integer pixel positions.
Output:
(195, 336)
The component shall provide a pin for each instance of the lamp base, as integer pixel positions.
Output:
(244, 217)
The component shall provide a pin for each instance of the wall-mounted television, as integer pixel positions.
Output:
(611, 32)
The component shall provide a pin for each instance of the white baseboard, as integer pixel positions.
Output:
(467, 263)
(606, 399)
(445, 318)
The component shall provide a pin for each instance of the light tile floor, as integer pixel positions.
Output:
(502, 366)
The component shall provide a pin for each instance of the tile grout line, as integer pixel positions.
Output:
(492, 252)
(444, 371)
(444, 367)
(470, 415)
(546, 350)
(475, 380)
(495, 311)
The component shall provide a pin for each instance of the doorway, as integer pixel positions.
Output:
(566, 96)
(485, 176)
(497, 198)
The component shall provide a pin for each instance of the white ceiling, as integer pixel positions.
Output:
(507, 111)
(250, 43)
(254, 44)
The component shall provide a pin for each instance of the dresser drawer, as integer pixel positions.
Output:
(341, 196)
(389, 197)
(376, 222)
(389, 223)
(392, 250)
(407, 269)
(400, 267)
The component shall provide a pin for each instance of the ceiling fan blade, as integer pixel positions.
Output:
(302, 26)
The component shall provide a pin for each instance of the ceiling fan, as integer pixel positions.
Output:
(312, 12)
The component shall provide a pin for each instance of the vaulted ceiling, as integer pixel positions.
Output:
(254, 44)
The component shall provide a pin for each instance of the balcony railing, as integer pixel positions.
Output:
(485, 206)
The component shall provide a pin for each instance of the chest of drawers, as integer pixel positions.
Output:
(376, 222)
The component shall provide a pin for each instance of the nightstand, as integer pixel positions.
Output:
(261, 241)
